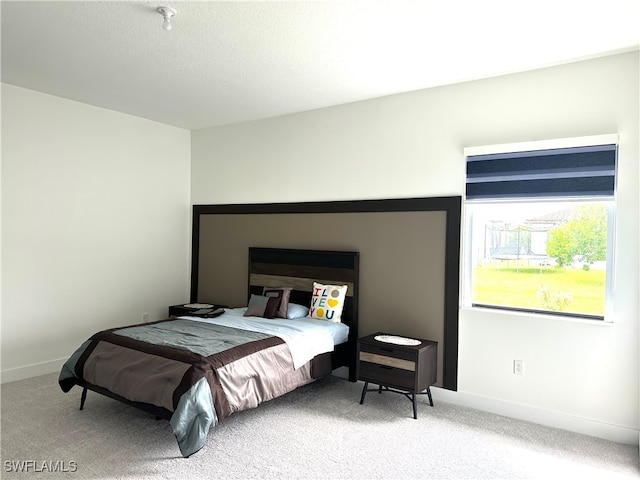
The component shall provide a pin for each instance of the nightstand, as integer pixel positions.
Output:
(400, 368)
(179, 310)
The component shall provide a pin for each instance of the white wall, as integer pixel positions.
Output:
(95, 225)
(578, 375)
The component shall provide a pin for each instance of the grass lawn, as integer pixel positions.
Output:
(519, 287)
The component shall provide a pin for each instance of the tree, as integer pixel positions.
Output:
(584, 236)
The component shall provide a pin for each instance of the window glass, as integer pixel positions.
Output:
(542, 256)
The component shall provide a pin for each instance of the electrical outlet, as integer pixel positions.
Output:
(518, 367)
(145, 317)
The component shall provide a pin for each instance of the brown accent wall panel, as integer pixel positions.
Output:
(409, 259)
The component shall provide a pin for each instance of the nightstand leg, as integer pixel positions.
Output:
(364, 392)
(429, 393)
(415, 407)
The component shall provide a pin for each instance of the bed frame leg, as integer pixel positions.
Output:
(83, 397)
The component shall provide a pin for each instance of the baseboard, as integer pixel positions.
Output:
(342, 372)
(585, 426)
(33, 370)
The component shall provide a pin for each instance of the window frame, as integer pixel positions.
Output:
(467, 232)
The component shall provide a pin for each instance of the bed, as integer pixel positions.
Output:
(300, 323)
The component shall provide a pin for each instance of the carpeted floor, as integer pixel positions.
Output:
(319, 431)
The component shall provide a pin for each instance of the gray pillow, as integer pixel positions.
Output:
(261, 306)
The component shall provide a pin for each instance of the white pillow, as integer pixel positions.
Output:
(296, 311)
(327, 302)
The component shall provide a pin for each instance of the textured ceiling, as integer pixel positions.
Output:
(227, 62)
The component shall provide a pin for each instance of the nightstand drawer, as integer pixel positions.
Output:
(388, 361)
(389, 351)
(386, 375)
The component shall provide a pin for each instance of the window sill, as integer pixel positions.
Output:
(498, 312)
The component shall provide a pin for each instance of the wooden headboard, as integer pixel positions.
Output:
(298, 269)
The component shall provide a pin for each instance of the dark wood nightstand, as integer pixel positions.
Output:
(398, 368)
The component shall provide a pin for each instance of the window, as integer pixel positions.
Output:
(539, 229)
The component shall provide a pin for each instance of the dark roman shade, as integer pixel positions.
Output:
(561, 172)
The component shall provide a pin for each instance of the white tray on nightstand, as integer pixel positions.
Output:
(397, 340)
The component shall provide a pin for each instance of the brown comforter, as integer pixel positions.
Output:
(201, 372)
